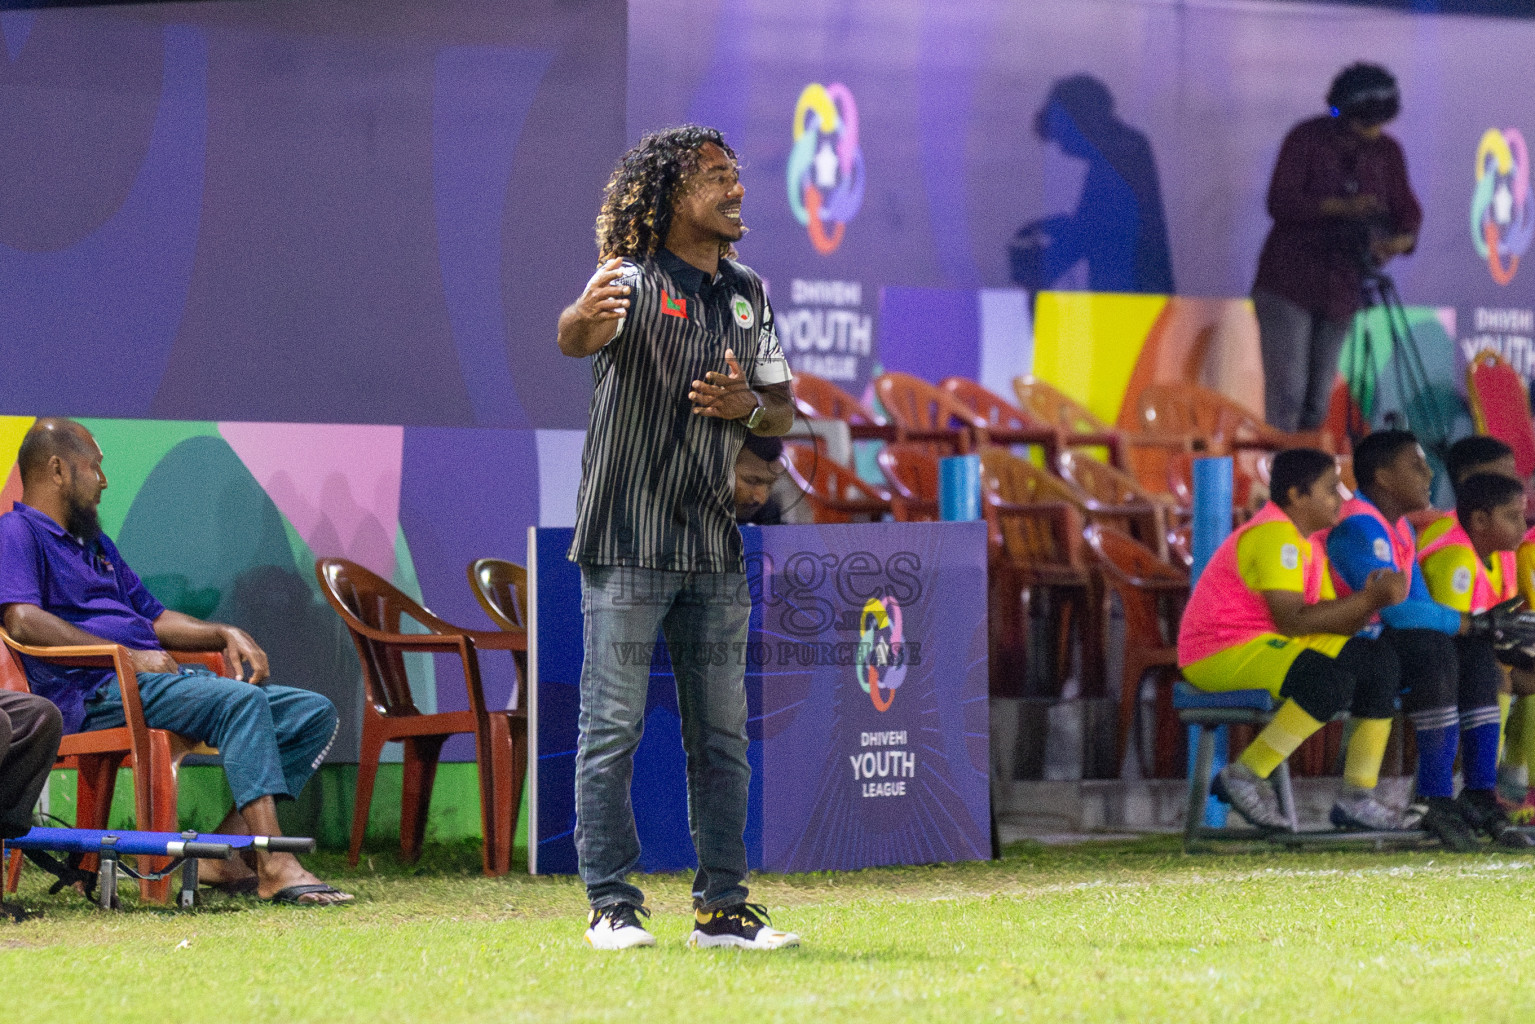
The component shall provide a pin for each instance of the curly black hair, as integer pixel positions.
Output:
(638, 200)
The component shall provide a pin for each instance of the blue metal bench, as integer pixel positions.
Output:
(1207, 714)
(186, 847)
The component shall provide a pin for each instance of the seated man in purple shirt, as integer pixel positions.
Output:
(63, 582)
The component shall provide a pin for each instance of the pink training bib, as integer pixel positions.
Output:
(1483, 594)
(1224, 611)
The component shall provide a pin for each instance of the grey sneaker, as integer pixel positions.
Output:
(1251, 797)
(1357, 810)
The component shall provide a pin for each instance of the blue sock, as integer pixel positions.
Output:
(1438, 733)
(1479, 733)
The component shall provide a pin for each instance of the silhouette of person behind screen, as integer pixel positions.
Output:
(1119, 226)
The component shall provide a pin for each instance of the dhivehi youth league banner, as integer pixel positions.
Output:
(866, 680)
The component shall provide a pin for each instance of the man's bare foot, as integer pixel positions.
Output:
(281, 871)
(231, 876)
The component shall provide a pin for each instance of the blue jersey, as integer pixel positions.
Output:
(1358, 546)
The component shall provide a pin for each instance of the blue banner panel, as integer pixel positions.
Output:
(865, 673)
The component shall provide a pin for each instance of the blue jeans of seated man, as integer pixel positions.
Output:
(272, 737)
(703, 617)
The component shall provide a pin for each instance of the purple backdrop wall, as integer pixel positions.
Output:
(946, 97)
(311, 211)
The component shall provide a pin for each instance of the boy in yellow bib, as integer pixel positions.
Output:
(1264, 615)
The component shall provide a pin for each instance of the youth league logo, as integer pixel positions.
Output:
(880, 663)
(1382, 549)
(742, 311)
(1502, 216)
(825, 172)
(1460, 580)
(1289, 556)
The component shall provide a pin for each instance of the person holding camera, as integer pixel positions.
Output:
(1342, 207)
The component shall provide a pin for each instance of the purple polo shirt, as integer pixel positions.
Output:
(88, 586)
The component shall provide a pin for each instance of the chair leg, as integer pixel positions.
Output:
(1168, 733)
(95, 781)
(13, 871)
(160, 777)
(493, 757)
(421, 754)
(362, 801)
(1202, 740)
(1286, 795)
(1129, 696)
(517, 726)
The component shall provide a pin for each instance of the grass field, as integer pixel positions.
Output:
(1125, 931)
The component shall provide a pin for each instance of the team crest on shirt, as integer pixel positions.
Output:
(1289, 556)
(1460, 581)
(1382, 549)
(742, 311)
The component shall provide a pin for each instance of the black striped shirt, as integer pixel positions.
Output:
(657, 481)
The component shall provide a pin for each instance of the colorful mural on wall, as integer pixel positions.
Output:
(225, 521)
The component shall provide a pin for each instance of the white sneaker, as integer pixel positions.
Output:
(744, 926)
(618, 927)
(1358, 810)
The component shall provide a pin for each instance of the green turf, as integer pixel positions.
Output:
(1100, 932)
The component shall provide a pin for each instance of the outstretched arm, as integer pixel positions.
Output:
(594, 319)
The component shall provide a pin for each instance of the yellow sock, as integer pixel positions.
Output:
(1527, 733)
(1278, 740)
(1366, 748)
(1505, 702)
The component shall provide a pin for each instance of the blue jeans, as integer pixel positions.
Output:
(272, 737)
(703, 617)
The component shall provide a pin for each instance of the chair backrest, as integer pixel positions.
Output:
(1500, 406)
(365, 599)
(1129, 567)
(1188, 410)
(997, 412)
(912, 471)
(1030, 541)
(1180, 544)
(501, 587)
(1245, 481)
(1054, 408)
(819, 398)
(1100, 481)
(919, 407)
(828, 483)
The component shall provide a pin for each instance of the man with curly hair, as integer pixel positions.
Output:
(685, 363)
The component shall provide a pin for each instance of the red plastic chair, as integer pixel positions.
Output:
(912, 471)
(835, 492)
(1114, 498)
(501, 587)
(1000, 422)
(1152, 594)
(372, 610)
(1216, 423)
(1500, 406)
(153, 755)
(1034, 522)
(1052, 407)
(820, 399)
(922, 412)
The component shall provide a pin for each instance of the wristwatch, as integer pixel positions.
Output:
(756, 415)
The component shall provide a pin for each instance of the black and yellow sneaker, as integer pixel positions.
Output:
(617, 927)
(744, 925)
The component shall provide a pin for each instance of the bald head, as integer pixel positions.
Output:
(47, 438)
